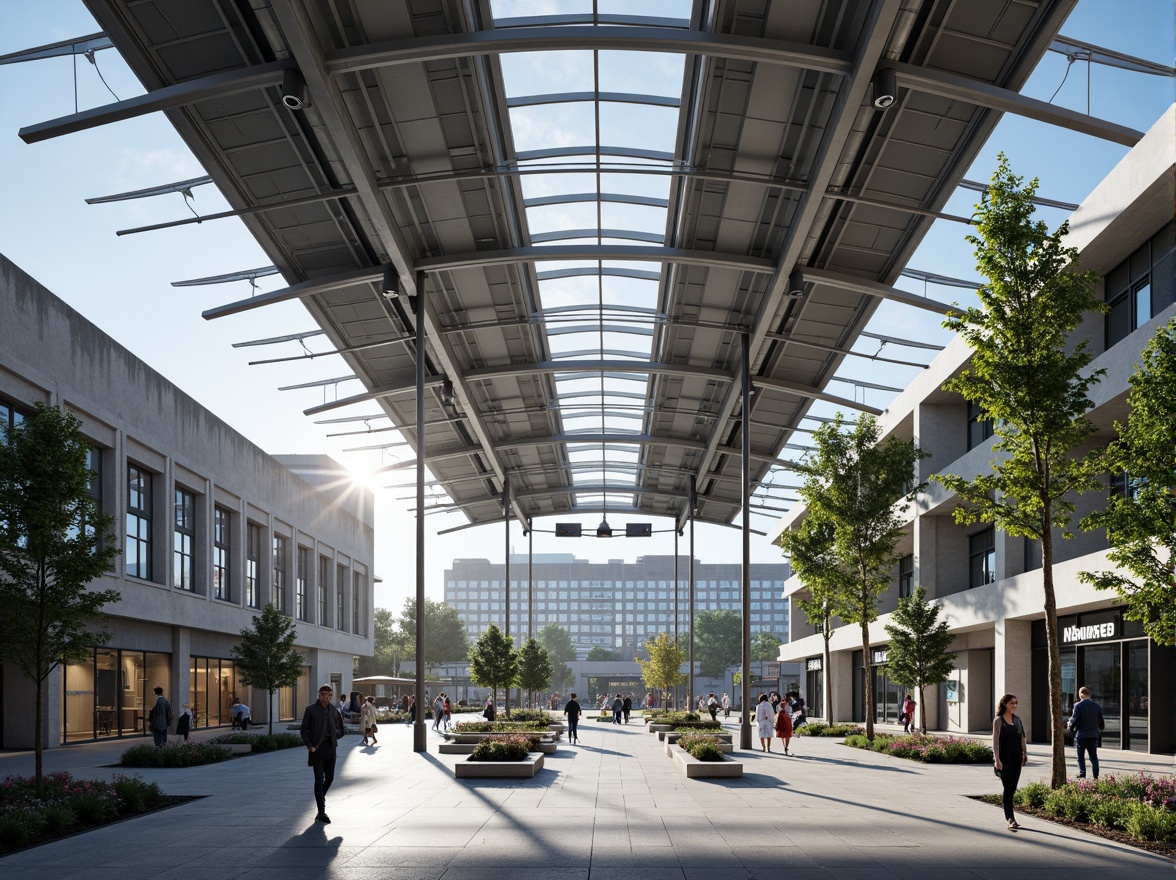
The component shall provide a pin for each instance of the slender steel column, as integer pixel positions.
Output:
(506, 567)
(531, 582)
(745, 431)
(419, 732)
(690, 587)
(677, 590)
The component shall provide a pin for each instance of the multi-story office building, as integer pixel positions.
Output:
(614, 604)
(989, 583)
(213, 529)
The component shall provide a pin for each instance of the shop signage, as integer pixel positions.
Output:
(772, 670)
(881, 655)
(1093, 632)
(813, 665)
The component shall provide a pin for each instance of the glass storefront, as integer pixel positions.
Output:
(212, 685)
(109, 694)
(814, 692)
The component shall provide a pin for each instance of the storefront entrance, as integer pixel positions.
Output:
(110, 694)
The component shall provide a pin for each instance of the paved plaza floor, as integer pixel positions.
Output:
(612, 807)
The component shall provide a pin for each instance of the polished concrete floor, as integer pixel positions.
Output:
(612, 807)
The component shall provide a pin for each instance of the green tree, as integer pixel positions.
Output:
(598, 653)
(919, 642)
(718, 641)
(765, 647)
(494, 662)
(535, 668)
(389, 650)
(445, 633)
(810, 550)
(266, 658)
(1034, 386)
(54, 540)
(1141, 522)
(857, 488)
(663, 670)
(559, 645)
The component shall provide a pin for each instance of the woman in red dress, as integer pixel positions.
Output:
(784, 727)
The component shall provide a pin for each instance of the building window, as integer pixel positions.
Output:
(279, 584)
(1141, 286)
(220, 554)
(183, 540)
(324, 569)
(356, 581)
(253, 565)
(301, 588)
(1122, 485)
(340, 586)
(978, 430)
(982, 558)
(906, 576)
(138, 546)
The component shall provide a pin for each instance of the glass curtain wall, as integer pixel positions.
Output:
(108, 694)
(212, 686)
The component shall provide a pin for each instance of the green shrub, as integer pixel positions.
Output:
(95, 807)
(687, 740)
(924, 748)
(857, 741)
(137, 795)
(501, 748)
(501, 727)
(189, 754)
(59, 818)
(1145, 822)
(20, 827)
(820, 728)
(1108, 812)
(1067, 801)
(529, 715)
(688, 726)
(675, 718)
(1032, 795)
(703, 750)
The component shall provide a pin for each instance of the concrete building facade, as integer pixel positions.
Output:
(212, 529)
(989, 583)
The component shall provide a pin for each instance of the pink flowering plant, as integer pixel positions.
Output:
(1140, 804)
(67, 805)
(926, 748)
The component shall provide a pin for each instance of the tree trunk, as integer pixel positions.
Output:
(270, 713)
(39, 743)
(1057, 776)
(921, 709)
(869, 683)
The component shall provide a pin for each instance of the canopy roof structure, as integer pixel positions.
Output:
(595, 214)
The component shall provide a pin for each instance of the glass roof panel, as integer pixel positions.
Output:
(524, 72)
(637, 125)
(552, 125)
(648, 73)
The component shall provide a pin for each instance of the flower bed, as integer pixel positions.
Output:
(820, 728)
(69, 805)
(189, 754)
(500, 727)
(691, 726)
(701, 746)
(1140, 806)
(927, 749)
(260, 742)
(509, 747)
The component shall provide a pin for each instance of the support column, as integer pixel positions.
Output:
(531, 582)
(1013, 664)
(419, 732)
(690, 597)
(677, 590)
(506, 571)
(745, 593)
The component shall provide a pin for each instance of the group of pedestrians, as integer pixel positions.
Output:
(442, 713)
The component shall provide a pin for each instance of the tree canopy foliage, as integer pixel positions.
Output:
(765, 646)
(54, 540)
(535, 668)
(494, 662)
(1026, 377)
(718, 641)
(266, 658)
(918, 654)
(856, 489)
(445, 633)
(562, 651)
(663, 670)
(1141, 519)
(600, 653)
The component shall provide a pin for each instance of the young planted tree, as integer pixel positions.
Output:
(858, 489)
(718, 641)
(266, 658)
(810, 549)
(1141, 520)
(559, 646)
(535, 669)
(494, 662)
(663, 670)
(1034, 386)
(54, 541)
(918, 654)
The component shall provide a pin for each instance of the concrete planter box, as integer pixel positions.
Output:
(545, 748)
(238, 748)
(692, 768)
(475, 738)
(660, 728)
(524, 769)
(725, 747)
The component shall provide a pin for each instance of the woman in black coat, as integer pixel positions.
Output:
(1009, 751)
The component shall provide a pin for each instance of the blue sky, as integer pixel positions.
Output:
(123, 284)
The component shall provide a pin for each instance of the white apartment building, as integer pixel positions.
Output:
(989, 584)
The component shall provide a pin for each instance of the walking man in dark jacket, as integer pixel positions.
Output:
(322, 728)
(573, 710)
(1087, 724)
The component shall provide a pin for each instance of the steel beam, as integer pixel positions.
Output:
(877, 289)
(619, 252)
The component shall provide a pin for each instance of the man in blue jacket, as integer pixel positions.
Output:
(1087, 724)
(322, 728)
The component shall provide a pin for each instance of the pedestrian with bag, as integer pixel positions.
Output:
(618, 709)
(1010, 752)
(765, 722)
(488, 711)
(627, 707)
(908, 715)
(185, 722)
(784, 727)
(712, 706)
